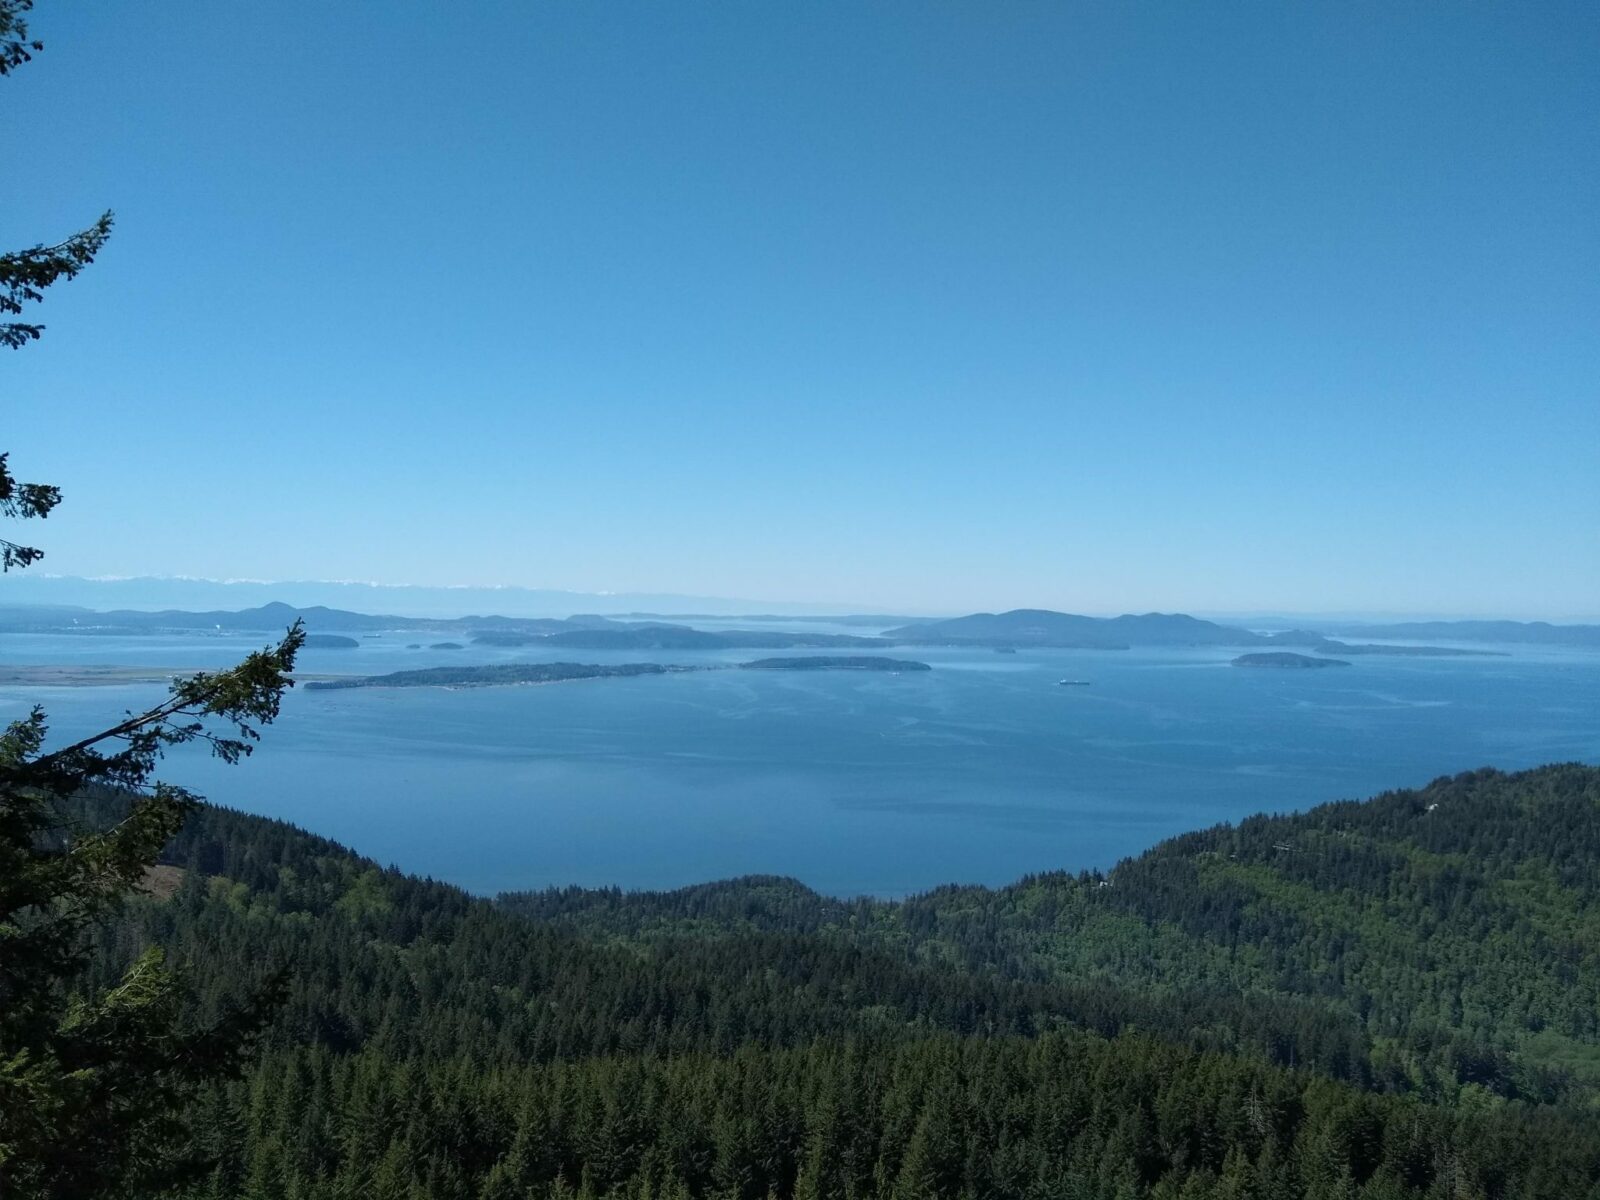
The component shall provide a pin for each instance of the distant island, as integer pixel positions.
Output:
(1535, 633)
(1332, 647)
(492, 676)
(1070, 631)
(447, 646)
(496, 637)
(1282, 658)
(826, 662)
(331, 641)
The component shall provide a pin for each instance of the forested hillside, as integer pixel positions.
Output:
(1453, 931)
(1317, 1005)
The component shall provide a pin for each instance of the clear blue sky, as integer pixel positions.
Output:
(933, 306)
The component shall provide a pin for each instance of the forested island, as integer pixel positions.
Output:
(823, 662)
(505, 674)
(498, 675)
(1174, 1028)
(1283, 659)
(331, 641)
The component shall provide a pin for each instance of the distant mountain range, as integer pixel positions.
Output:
(152, 592)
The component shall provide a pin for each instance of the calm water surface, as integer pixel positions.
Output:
(978, 771)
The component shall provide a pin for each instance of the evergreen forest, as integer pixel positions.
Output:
(1389, 998)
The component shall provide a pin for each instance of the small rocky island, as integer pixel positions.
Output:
(1283, 659)
(830, 662)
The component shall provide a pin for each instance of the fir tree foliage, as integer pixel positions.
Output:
(91, 1083)
(16, 47)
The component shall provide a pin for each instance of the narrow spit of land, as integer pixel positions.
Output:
(511, 674)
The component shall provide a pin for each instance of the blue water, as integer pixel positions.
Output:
(981, 770)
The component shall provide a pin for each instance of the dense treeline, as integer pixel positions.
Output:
(1212, 1019)
(1066, 1115)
